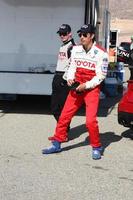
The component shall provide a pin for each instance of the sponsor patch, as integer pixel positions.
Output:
(85, 64)
(104, 68)
(105, 60)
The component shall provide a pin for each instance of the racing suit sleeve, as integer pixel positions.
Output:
(72, 68)
(69, 59)
(101, 72)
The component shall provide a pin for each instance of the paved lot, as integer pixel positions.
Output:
(25, 174)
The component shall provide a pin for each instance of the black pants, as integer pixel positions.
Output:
(131, 73)
(60, 91)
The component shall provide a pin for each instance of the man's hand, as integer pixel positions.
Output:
(81, 87)
(70, 82)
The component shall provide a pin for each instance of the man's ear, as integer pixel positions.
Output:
(70, 34)
(92, 36)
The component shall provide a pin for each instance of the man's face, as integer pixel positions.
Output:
(86, 38)
(65, 36)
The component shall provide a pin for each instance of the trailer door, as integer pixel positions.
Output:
(29, 44)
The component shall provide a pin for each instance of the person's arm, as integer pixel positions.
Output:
(101, 72)
(69, 50)
(72, 69)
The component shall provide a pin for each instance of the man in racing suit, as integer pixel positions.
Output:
(88, 67)
(60, 88)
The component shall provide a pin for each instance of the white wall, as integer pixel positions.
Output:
(28, 30)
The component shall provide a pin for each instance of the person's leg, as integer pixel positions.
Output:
(59, 96)
(56, 97)
(131, 72)
(92, 102)
(72, 104)
(63, 96)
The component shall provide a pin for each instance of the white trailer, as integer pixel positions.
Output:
(29, 43)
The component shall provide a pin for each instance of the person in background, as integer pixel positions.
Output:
(60, 89)
(131, 45)
(88, 68)
(130, 62)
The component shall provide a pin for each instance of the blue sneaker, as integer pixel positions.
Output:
(55, 148)
(97, 152)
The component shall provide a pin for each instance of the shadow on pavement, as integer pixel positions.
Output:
(32, 104)
(28, 104)
(109, 137)
(106, 138)
(77, 131)
(128, 134)
(107, 105)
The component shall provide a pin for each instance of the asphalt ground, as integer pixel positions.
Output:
(26, 174)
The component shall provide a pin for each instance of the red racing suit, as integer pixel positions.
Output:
(89, 68)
